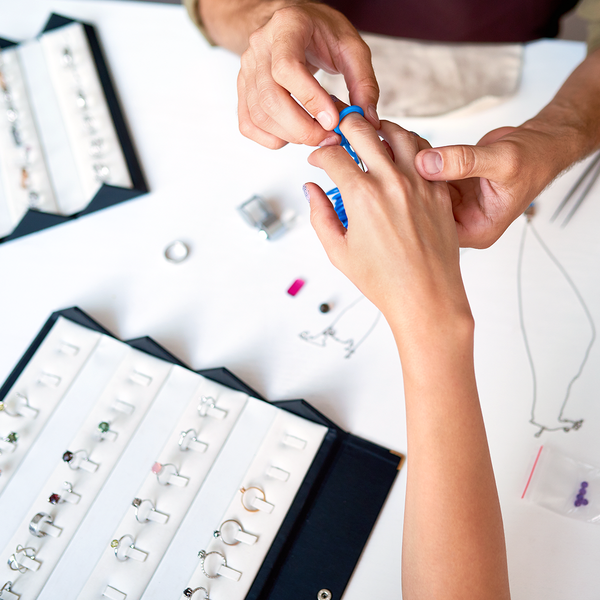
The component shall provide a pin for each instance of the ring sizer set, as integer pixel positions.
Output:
(62, 135)
(144, 479)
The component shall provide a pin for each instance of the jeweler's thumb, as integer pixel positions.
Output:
(450, 163)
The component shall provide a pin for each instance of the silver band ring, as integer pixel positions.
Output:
(36, 523)
(204, 555)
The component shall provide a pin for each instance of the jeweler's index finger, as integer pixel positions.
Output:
(289, 70)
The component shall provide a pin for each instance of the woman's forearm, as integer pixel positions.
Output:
(453, 544)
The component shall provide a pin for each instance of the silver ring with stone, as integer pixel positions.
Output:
(218, 533)
(189, 592)
(203, 555)
(4, 408)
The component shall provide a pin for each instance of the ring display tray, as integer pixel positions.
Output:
(65, 150)
(136, 477)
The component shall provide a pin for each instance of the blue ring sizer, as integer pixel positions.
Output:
(347, 111)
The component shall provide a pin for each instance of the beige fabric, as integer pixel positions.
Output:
(420, 79)
(590, 11)
(192, 8)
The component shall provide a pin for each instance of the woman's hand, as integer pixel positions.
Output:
(401, 246)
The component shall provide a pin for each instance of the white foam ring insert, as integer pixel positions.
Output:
(131, 577)
(49, 359)
(243, 448)
(13, 195)
(248, 559)
(101, 385)
(67, 141)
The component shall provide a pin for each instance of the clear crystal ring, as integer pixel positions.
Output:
(203, 555)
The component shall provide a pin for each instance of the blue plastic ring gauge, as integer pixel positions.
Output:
(347, 111)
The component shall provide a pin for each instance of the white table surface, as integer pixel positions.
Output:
(227, 304)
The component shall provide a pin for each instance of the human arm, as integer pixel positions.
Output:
(493, 182)
(401, 250)
(283, 43)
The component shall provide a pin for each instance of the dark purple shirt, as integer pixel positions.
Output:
(457, 20)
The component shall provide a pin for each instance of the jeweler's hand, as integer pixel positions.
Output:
(281, 60)
(492, 183)
(401, 246)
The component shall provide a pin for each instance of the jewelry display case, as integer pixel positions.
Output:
(65, 150)
(130, 476)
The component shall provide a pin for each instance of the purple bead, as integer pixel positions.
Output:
(579, 497)
(584, 484)
(578, 503)
(584, 502)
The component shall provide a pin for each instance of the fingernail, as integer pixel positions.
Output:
(334, 98)
(432, 163)
(306, 193)
(325, 119)
(330, 141)
(373, 114)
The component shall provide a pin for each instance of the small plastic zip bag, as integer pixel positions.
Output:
(564, 485)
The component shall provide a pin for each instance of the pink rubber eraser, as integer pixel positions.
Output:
(295, 287)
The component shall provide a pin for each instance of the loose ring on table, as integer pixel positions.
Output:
(177, 252)
(244, 490)
(203, 555)
(189, 592)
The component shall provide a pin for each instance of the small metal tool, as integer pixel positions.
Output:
(589, 176)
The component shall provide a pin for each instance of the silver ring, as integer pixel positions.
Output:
(136, 503)
(206, 403)
(158, 468)
(12, 560)
(69, 458)
(7, 587)
(103, 429)
(36, 523)
(3, 407)
(116, 544)
(203, 555)
(189, 592)
(218, 533)
(177, 252)
(183, 436)
(12, 438)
